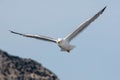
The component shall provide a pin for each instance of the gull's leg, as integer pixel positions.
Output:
(68, 51)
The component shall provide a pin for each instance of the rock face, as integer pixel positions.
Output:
(15, 68)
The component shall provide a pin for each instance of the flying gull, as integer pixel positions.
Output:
(64, 43)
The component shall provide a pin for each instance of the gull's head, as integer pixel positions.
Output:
(59, 41)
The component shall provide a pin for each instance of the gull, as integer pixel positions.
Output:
(64, 43)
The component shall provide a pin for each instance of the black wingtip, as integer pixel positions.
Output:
(15, 32)
(11, 31)
(104, 8)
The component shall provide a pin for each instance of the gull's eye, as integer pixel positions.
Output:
(59, 42)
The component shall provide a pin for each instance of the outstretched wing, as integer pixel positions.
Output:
(45, 38)
(84, 25)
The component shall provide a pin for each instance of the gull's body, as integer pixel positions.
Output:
(64, 43)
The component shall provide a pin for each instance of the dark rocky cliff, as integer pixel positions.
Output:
(16, 68)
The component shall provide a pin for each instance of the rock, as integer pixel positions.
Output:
(16, 68)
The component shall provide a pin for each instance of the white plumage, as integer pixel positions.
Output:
(64, 43)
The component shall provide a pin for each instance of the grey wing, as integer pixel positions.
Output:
(36, 36)
(84, 25)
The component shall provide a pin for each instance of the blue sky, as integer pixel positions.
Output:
(97, 52)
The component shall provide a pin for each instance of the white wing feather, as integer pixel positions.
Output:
(36, 36)
(83, 25)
